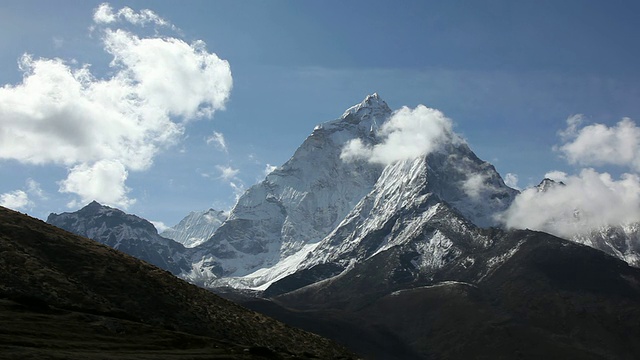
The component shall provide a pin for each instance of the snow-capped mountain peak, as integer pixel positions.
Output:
(196, 228)
(370, 106)
(299, 203)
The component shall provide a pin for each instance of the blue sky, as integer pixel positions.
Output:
(508, 73)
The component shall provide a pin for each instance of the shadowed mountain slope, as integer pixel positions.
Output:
(548, 298)
(70, 297)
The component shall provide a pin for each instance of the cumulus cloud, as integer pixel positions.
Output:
(599, 144)
(218, 140)
(16, 200)
(408, 134)
(99, 128)
(21, 199)
(104, 14)
(590, 199)
(556, 175)
(104, 180)
(586, 201)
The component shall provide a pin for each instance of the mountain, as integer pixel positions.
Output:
(319, 210)
(423, 206)
(522, 294)
(277, 221)
(127, 233)
(195, 228)
(317, 201)
(408, 261)
(65, 296)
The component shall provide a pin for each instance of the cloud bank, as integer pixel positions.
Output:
(102, 128)
(408, 134)
(590, 199)
(598, 144)
(586, 201)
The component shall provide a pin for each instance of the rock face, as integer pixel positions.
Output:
(127, 233)
(276, 222)
(65, 296)
(521, 294)
(195, 228)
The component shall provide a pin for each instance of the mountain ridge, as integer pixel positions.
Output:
(95, 289)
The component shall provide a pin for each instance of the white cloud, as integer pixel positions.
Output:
(590, 199)
(104, 14)
(511, 180)
(587, 201)
(598, 144)
(33, 187)
(104, 182)
(408, 134)
(100, 128)
(159, 225)
(268, 169)
(218, 140)
(475, 185)
(556, 175)
(227, 172)
(238, 188)
(16, 200)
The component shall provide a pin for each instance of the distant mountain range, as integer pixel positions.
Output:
(394, 252)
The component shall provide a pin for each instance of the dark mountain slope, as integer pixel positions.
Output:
(71, 297)
(125, 232)
(546, 297)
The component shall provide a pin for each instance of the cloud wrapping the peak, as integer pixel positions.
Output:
(100, 128)
(587, 201)
(591, 199)
(408, 134)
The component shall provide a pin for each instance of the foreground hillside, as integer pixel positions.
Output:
(66, 297)
(548, 298)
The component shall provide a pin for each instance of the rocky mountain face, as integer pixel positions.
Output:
(65, 296)
(195, 228)
(522, 294)
(317, 207)
(127, 233)
(276, 222)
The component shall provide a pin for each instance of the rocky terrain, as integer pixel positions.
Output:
(63, 296)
